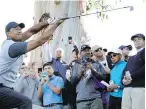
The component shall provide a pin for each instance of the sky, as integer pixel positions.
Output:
(15, 10)
(120, 26)
(111, 33)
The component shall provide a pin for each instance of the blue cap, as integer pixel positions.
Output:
(124, 46)
(138, 35)
(13, 25)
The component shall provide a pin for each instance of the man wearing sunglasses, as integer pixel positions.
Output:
(106, 63)
(134, 76)
(100, 57)
(99, 54)
(116, 87)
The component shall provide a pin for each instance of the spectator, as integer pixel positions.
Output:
(125, 51)
(104, 60)
(23, 69)
(116, 87)
(35, 66)
(103, 66)
(58, 64)
(82, 77)
(70, 90)
(28, 85)
(134, 77)
(51, 88)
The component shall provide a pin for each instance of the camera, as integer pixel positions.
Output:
(70, 39)
(44, 74)
(85, 60)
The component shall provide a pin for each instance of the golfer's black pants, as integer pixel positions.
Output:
(12, 99)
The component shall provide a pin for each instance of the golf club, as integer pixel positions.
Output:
(131, 8)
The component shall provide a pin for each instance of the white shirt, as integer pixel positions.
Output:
(140, 49)
(104, 63)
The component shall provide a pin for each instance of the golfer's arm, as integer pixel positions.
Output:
(33, 30)
(20, 48)
(48, 32)
(42, 39)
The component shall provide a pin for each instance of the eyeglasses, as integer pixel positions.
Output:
(99, 49)
(113, 55)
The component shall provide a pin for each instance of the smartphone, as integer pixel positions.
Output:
(39, 70)
(43, 74)
(70, 40)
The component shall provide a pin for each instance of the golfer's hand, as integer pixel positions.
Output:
(44, 17)
(53, 21)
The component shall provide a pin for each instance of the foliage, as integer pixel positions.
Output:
(99, 5)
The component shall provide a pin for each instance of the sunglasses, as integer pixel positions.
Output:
(99, 49)
(113, 55)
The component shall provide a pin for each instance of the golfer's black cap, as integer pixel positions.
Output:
(83, 47)
(138, 35)
(13, 25)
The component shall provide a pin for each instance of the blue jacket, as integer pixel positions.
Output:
(115, 76)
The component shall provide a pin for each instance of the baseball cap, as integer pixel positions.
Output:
(95, 47)
(138, 35)
(83, 47)
(118, 51)
(124, 46)
(13, 25)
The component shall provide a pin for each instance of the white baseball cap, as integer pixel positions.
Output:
(118, 51)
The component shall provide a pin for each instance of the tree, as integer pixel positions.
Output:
(72, 27)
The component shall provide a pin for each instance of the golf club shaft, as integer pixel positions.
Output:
(96, 12)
